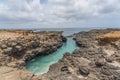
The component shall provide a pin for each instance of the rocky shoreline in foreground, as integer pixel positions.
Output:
(93, 61)
(97, 59)
(19, 46)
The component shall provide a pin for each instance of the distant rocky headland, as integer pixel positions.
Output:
(97, 59)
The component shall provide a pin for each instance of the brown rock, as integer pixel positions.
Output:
(100, 62)
(8, 50)
(84, 71)
(3, 46)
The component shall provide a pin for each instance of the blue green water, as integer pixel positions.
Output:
(41, 64)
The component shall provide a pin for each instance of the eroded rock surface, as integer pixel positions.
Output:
(19, 46)
(93, 61)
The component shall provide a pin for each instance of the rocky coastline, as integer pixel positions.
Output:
(97, 59)
(19, 46)
(93, 61)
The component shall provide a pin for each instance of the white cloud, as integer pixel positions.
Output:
(56, 12)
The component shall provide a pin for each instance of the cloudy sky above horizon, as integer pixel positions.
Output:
(59, 13)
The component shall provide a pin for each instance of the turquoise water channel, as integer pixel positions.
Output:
(41, 64)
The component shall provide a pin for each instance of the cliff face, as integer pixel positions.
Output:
(18, 46)
(92, 61)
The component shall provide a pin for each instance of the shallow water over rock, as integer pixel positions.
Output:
(41, 64)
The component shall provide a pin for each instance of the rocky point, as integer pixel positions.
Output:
(19, 46)
(93, 61)
(97, 59)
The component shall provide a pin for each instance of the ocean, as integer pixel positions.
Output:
(67, 31)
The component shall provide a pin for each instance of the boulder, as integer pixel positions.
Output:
(8, 50)
(64, 39)
(109, 60)
(19, 48)
(35, 44)
(20, 64)
(84, 71)
(3, 46)
(100, 62)
(13, 43)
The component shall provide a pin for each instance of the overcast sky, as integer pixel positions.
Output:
(59, 13)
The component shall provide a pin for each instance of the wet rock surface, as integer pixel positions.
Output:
(93, 61)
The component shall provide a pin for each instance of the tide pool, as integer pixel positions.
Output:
(41, 64)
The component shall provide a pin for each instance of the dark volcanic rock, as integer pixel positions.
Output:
(64, 39)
